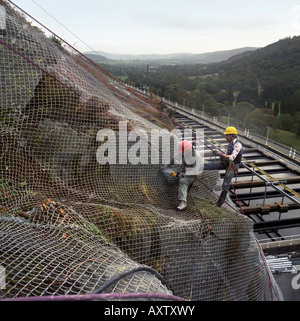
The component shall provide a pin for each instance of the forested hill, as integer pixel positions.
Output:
(276, 68)
(264, 84)
(265, 76)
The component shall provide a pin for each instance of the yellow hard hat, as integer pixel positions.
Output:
(230, 130)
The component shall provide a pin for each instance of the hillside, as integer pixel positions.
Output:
(277, 67)
(75, 220)
(265, 78)
(172, 59)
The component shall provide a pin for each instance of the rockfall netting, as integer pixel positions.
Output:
(69, 225)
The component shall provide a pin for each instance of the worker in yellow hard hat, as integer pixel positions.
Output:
(230, 161)
(230, 131)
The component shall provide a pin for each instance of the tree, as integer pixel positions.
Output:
(55, 40)
(241, 111)
(296, 127)
(296, 101)
(212, 107)
(196, 99)
(260, 119)
(284, 122)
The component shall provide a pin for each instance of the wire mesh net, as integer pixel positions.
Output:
(69, 225)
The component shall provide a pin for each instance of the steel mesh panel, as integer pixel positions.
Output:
(68, 225)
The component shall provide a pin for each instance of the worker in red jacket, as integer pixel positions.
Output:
(189, 159)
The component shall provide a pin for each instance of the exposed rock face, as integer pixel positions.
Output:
(68, 224)
(64, 152)
(15, 91)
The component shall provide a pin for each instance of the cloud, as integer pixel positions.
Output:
(203, 22)
(296, 17)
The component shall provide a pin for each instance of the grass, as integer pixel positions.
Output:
(285, 137)
(122, 78)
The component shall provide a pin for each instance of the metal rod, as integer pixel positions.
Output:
(272, 184)
(266, 186)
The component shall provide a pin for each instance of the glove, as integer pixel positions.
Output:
(217, 152)
(179, 175)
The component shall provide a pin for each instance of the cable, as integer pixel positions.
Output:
(97, 297)
(199, 240)
(78, 94)
(103, 70)
(126, 87)
(66, 27)
(260, 252)
(197, 248)
(237, 199)
(177, 123)
(96, 52)
(122, 275)
(71, 89)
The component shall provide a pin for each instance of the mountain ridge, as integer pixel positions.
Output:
(208, 57)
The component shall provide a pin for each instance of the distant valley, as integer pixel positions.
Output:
(176, 58)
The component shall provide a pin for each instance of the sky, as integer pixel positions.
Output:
(166, 26)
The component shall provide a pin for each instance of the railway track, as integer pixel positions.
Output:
(267, 187)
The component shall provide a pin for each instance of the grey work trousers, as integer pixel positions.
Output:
(216, 165)
(184, 184)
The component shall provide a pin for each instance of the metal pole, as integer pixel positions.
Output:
(267, 141)
(272, 184)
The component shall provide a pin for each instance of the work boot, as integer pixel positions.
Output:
(182, 206)
(221, 199)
